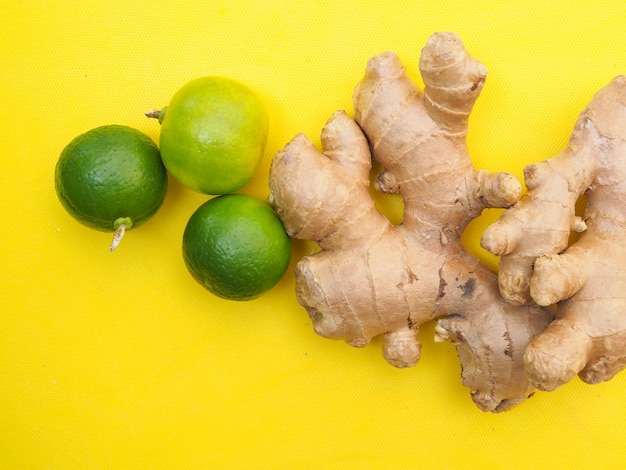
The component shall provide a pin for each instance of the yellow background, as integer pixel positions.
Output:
(122, 361)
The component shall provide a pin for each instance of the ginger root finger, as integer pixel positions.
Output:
(312, 204)
(478, 336)
(587, 279)
(486, 189)
(589, 336)
(558, 277)
(514, 279)
(534, 227)
(401, 348)
(453, 79)
(556, 356)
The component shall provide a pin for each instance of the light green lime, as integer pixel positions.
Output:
(236, 247)
(213, 135)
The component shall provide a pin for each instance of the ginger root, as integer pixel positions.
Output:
(374, 278)
(588, 279)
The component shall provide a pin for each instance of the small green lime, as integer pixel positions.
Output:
(213, 135)
(111, 178)
(236, 247)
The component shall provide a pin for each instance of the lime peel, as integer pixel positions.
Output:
(236, 247)
(111, 178)
(213, 134)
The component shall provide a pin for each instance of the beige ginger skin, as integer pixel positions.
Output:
(374, 278)
(588, 279)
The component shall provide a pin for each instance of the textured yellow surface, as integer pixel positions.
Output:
(122, 361)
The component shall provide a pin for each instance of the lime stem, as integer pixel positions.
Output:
(117, 236)
(157, 114)
(153, 113)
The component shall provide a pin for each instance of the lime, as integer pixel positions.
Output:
(236, 247)
(111, 178)
(213, 134)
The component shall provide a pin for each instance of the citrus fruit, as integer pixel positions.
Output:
(213, 134)
(111, 178)
(236, 247)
